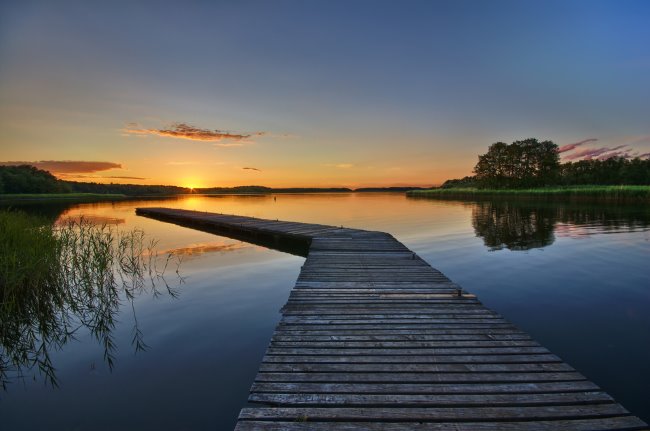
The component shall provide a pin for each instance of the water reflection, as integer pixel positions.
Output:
(515, 226)
(69, 279)
(200, 249)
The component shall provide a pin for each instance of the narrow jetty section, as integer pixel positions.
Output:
(373, 338)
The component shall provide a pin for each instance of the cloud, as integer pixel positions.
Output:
(573, 146)
(252, 169)
(620, 154)
(340, 165)
(590, 153)
(127, 178)
(181, 163)
(82, 176)
(68, 166)
(186, 131)
(230, 144)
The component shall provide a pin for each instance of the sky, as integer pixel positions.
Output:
(315, 93)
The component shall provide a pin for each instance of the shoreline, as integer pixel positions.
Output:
(605, 194)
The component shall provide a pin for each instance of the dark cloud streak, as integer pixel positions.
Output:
(68, 166)
(590, 153)
(573, 146)
(186, 131)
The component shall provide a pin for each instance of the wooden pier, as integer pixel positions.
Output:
(373, 338)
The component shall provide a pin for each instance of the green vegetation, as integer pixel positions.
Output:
(28, 179)
(56, 279)
(529, 163)
(632, 194)
(614, 171)
(126, 189)
(77, 197)
(31, 183)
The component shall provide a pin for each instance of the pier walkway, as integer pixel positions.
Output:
(373, 338)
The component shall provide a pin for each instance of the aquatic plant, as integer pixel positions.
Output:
(58, 278)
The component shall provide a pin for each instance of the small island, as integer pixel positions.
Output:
(530, 169)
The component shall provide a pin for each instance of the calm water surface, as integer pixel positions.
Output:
(577, 278)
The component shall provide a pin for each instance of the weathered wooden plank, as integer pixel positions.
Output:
(413, 368)
(429, 400)
(385, 314)
(418, 414)
(426, 388)
(399, 337)
(388, 320)
(414, 359)
(402, 344)
(416, 377)
(433, 332)
(421, 326)
(272, 350)
(628, 423)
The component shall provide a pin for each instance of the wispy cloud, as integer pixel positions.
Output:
(68, 166)
(230, 144)
(590, 153)
(574, 145)
(340, 165)
(625, 149)
(181, 163)
(622, 154)
(187, 131)
(252, 169)
(70, 176)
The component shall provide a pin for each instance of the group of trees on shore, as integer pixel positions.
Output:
(530, 163)
(28, 179)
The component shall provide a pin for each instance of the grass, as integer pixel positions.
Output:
(57, 279)
(614, 194)
(82, 197)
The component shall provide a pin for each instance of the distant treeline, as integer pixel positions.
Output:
(530, 163)
(28, 179)
(263, 190)
(126, 189)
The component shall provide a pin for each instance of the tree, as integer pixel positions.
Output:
(526, 163)
(28, 179)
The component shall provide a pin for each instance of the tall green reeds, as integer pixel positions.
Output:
(609, 194)
(57, 279)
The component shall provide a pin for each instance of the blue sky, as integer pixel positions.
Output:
(342, 92)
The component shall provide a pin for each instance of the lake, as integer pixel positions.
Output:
(576, 277)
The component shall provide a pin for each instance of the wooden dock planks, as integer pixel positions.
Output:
(374, 338)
